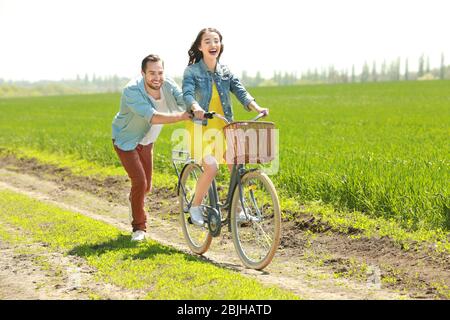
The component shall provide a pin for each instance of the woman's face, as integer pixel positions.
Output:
(210, 45)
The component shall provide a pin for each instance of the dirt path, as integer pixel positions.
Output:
(305, 265)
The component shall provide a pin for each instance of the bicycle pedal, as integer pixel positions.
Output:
(245, 224)
(205, 224)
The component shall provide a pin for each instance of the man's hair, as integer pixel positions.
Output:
(150, 58)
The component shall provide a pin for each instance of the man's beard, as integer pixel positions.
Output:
(152, 86)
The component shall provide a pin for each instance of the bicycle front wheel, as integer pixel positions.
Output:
(198, 238)
(256, 220)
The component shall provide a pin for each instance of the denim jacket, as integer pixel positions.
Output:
(197, 87)
(132, 122)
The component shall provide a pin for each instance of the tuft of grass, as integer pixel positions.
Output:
(442, 289)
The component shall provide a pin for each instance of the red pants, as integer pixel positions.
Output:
(138, 163)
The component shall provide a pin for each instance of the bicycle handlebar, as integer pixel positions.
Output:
(210, 115)
(260, 115)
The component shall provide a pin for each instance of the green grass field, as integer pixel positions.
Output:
(379, 148)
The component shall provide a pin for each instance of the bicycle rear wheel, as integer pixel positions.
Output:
(197, 238)
(256, 231)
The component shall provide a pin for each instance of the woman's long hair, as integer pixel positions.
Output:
(195, 55)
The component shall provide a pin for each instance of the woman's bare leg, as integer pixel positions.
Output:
(210, 168)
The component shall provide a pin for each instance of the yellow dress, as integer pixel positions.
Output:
(208, 140)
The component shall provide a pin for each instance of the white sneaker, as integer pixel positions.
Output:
(197, 216)
(130, 210)
(138, 235)
(243, 218)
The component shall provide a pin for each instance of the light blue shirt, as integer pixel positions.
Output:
(132, 122)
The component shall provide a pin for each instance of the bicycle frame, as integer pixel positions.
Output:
(235, 181)
(237, 172)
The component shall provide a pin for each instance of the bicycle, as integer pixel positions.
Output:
(256, 237)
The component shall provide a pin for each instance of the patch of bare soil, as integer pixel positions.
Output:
(421, 272)
(313, 260)
(31, 272)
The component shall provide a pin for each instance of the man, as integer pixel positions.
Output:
(146, 104)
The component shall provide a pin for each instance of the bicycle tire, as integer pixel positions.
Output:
(272, 221)
(203, 238)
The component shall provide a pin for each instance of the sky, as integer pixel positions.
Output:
(60, 39)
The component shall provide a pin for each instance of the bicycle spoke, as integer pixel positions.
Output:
(252, 196)
(267, 240)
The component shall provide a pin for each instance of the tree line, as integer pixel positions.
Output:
(397, 70)
(82, 84)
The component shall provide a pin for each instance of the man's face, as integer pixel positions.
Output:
(154, 75)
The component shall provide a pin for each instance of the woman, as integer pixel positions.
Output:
(206, 87)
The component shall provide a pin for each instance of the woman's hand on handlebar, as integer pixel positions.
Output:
(265, 111)
(198, 112)
(253, 105)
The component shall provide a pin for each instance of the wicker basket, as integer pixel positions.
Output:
(250, 142)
